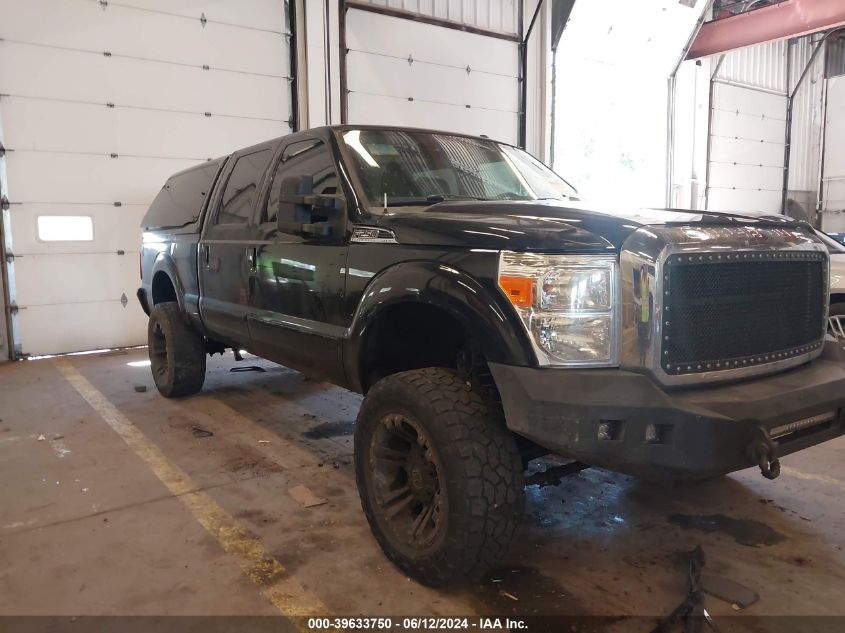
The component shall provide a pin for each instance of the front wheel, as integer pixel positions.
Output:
(177, 352)
(439, 475)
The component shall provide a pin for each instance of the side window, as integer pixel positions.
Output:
(242, 188)
(306, 167)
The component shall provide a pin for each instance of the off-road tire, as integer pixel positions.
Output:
(481, 476)
(177, 352)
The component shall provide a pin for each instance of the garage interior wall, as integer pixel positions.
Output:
(731, 129)
(467, 83)
(100, 102)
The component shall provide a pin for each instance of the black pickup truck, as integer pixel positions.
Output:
(489, 316)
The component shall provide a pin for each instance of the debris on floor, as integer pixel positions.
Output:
(198, 431)
(235, 370)
(553, 475)
(739, 596)
(42, 437)
(305, 497)
(691, 611)
(140, 388)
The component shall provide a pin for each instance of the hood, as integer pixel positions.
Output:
(546, 226)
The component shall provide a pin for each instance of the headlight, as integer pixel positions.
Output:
(567, 304)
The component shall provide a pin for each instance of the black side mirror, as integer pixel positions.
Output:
(313, 215)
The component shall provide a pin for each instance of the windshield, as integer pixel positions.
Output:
(408, 168)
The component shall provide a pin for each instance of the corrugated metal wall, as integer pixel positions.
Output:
(761, 66)
(495, 15)
(765, 67)
(807, 115)
(836, 56)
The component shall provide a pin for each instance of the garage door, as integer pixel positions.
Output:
(834, 157)
(746, 149)
(402, 72)
(101, 101)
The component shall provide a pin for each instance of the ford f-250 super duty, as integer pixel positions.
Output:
(487, 314)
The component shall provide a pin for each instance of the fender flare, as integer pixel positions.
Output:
(164, 264)
(481, 310)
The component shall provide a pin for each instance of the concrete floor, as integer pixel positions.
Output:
(87, 528)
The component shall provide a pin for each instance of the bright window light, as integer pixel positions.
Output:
(65, 228)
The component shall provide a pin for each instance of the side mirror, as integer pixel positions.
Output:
(302, 212)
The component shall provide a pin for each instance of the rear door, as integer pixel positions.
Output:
(298, 282)
(227, 247)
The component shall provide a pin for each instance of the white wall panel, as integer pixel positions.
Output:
(71, 75)
(257, 15)
(41, 124)
(426, 114)
(115, 30)
(395, 76)
(746, 149)
(388, 75)
(82, 178)
(165, 70)
(721, 199)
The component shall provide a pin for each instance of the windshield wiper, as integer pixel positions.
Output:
(442, 197)
(429, 200)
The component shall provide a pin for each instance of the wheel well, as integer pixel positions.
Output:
(409, 336)
(163, 289)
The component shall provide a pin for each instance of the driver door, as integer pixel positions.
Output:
(297, 284)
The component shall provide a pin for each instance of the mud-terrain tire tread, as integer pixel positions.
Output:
(476, 446)
(185, 352)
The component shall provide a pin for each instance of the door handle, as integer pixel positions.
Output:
(252, 258)
(204, 254)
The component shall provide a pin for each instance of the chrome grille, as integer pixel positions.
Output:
(744, 291)
(741, 309)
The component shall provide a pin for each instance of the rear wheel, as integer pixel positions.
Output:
(439, 475)
(177, 352)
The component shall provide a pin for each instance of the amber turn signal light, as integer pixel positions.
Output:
(520, 290)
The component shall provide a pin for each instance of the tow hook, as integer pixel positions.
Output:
(764, 453)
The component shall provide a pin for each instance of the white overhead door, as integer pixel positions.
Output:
(99, 103)
(408, 73)
(833, 182)
(746, 149)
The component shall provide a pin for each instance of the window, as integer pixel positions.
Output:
(306, 158)
(242, 188)
(65, 228)
(180, 200)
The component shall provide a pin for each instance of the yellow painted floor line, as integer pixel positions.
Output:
(266, 572)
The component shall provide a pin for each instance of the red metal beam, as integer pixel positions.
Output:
(791, 18)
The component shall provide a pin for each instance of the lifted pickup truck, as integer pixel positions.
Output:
(488, 316)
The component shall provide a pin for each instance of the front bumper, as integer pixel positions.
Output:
(624, 421)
